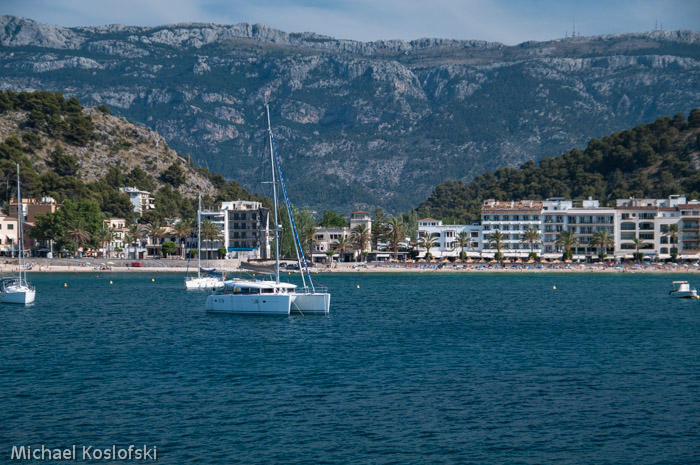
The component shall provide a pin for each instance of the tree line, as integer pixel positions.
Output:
(651, 160)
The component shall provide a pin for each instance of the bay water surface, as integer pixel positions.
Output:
(407, 368)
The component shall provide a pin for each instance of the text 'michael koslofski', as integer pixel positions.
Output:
(86, 453)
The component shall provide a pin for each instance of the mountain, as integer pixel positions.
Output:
(86, 154)
(358, 125)
(653, 160)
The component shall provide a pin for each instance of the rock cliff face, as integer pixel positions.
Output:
(358, 124)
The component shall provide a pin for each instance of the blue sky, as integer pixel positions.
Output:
(507, 21)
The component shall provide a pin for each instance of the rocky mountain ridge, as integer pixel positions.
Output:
(358, 124)
(116, 142)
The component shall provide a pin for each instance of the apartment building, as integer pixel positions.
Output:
(244, 226)
(446, 237)
(648, 220)
(141, 200)
(512, 219)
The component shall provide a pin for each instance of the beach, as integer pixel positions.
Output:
(85, 265)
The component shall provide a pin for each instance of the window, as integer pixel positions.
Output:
(10, 226)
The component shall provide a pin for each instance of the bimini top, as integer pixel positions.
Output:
(241, 284)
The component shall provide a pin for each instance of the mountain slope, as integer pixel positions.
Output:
(649, 161)
(358, 124)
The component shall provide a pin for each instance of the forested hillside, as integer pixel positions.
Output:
(650, 161)
(77, 154)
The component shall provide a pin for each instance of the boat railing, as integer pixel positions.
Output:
(316, 289)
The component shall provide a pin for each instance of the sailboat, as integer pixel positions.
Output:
(209, 279)
(16, 290)
(259, 297)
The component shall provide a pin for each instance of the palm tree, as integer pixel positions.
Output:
(211, 233)
(428, 242)
(672, 231)
(361, 236)
(604, 240)
(567, 240)
(182, 230)
(128, 240)
(79, 234)
(104, 237)
(396, 235)
(531, 236)
(341, 247)
(463, 240)
(138, 234)
(157, 232)
(496, 239)
(638, 244)
(207, 229)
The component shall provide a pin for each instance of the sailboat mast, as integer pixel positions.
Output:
(199, 237)
(274, 197)
(20, 238)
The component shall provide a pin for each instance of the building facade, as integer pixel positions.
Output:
(141, 200)
(244, 227)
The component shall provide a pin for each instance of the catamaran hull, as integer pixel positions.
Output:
(259, 304)
(20, 296)
(312, 303)
(204, 284)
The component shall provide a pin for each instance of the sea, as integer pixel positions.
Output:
(408, 368)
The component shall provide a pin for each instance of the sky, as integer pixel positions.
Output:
(507, 21)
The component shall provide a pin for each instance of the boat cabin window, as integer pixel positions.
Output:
(244, 290)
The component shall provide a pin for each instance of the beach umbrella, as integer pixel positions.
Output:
(110, 263)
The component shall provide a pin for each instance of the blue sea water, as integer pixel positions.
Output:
(409, 368)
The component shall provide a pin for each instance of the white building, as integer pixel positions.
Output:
(141, 200)
(648, 220)
(512, 219)
(245, 229)
(446, 236)
(8, 235)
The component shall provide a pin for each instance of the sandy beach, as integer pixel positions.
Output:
(42, 265)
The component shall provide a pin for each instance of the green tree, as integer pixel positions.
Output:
(169, 248)
(463, 242)
(380, 228)
(84, 215)
(361, 237)
(639, 244)
(495, 240)
(428, 242)
(604, 240)
(182, 231)
(157, 232)
(567, 240)
(79, 234)
(396, 235)
(672, 233)
(532, 237)
(103, 237)
(332, 220)
(341, 246)
(174, 175)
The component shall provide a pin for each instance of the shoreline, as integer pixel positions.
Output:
(38, 267)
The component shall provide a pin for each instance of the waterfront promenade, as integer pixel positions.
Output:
(233, 266)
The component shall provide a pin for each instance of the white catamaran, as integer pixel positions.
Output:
(256, 297)
(209, 279)
(16, 290)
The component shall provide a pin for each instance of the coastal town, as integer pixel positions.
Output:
(522, 231)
